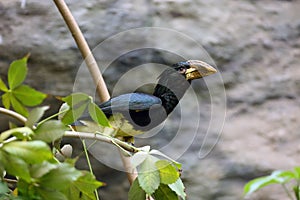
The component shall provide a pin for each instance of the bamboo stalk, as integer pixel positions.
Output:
(94, 70)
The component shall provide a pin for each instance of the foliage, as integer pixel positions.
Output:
(159, 178)
(277, 177)
(17, 94)
(25, 152)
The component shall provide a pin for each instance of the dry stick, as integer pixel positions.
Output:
(94, 70)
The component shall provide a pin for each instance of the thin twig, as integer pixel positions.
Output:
(103, 138)
(92, 66)
(287, 191)
(13, 114)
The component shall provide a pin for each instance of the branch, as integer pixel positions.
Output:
(13, 114)
(84, 49)
(102, 138)
(93, 68)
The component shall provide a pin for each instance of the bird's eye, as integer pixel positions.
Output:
(182, 70)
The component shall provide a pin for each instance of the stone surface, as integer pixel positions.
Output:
(255, 44)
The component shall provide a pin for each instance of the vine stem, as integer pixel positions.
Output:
(89, 164)
(13, 114)
(287, 192)
(102, 138)
(93, 68)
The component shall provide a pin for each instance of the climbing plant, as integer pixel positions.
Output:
(33, 165)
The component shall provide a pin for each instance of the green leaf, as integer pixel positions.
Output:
(15, 166)
(26, 191)
(297, 172)
(45, 193)
(28, 96)
(148, 175)
(178, 188)
(73, 114)
(62, 110)
(167, 171)
(3, 188)
(18, 107)
(39, 170)
(138, 158)
(165, 193)
(78, 103)
(17, 72)
(76, 98)
(50, 131)
(136, 192)
(29, 151)
(35, 115)
(97, 115)
(158, 153)
(85, 186)
(24, 131)
(277, 177)
(66, 173)
(6, 100)
(3, 86)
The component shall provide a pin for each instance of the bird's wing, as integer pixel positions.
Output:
(131, 101)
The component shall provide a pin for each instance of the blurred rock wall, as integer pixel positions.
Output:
(254, 44)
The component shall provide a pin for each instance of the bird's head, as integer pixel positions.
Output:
(194, 69)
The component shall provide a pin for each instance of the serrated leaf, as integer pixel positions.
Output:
(165, 193)
(66, 173)
(50, 131)
(178, 188)
(17, 106)
(17, 72)
(15, 166)
(138, 158)
(30, 151)
(35, 115)
(276, 177)
(28, 96)
(84, 186)
(136, 192)
(158, 153)
(24, 131)
(148, 175)
(97, 115)
(3, 86)
(6, 100)
(76, 98)
(168, 173)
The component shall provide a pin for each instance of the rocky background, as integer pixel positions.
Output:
(254, 44)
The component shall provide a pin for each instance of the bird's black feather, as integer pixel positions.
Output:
(145, 111)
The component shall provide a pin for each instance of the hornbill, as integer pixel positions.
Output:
(134, 113)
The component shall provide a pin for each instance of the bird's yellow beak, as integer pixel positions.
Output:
(198, 69)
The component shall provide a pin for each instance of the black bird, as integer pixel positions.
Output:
(134, 113)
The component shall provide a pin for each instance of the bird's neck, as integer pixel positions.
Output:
(171, 94)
